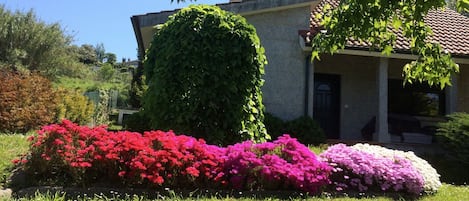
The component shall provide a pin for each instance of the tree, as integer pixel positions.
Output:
(31, 44)
(374, 21)
(211, 89)
(87, 54)
(462, 6)
(110, 58)
(100, 52)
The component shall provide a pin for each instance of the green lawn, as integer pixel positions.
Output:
(12, 145)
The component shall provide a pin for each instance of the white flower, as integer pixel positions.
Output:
(429, 174)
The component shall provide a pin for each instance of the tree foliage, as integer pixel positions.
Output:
(100, 52)
(375, 21)
(110, 58)
(87, 54)
(29, 43)
(212, 87)
(462, 6)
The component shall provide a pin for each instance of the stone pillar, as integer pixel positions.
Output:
(451, 93)
(311, 89)
(382, 133)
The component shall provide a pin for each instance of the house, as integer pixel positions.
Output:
(350, 91)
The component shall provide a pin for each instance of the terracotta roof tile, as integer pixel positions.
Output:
(450, 29)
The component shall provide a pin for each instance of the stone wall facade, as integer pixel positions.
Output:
(285, 72)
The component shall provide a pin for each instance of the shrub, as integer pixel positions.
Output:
(79, 155)
(430, 177)
(284, 164)
(211, 89)
(453, 135)
(137, 122)
(306, 130)
(274, 125)
(101, 111)
(27, 101)
(74, 106)
(106, 72)
(367, 172)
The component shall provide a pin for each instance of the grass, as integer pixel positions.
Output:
(88, 84)
(447, 193)
(13, 145)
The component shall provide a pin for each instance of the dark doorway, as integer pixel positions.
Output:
(326, 109)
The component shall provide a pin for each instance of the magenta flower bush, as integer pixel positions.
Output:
(284, 164)
(366, 172)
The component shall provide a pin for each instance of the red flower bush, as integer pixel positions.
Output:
(94, 154)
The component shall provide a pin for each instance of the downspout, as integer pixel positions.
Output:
(306, 92)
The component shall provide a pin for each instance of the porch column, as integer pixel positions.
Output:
(451, 94)
(310, 88)
(382, 134)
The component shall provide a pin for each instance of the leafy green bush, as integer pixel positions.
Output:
(305, 129)
(27, 101)
(74, 106)
(137, 122)
(106, 72)
(274, 125)
(204, 69)
(453, 135)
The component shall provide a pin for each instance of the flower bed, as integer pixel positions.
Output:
(163, 159)
(74, 155)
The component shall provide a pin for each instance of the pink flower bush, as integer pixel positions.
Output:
(362, 171)
(282, 164)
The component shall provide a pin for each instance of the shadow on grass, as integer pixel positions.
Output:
(451, 171)
(73, 193)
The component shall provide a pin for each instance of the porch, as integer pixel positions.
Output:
(369, 102)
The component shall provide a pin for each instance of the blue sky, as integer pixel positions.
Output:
(98, 21)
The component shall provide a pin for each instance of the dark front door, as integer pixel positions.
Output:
(326, 109)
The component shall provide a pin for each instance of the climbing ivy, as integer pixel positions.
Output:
(203, 70)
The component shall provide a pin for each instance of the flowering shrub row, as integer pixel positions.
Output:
(154, 158)
(81, 156)
(89, 155)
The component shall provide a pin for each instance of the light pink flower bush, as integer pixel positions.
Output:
(362, 171)
(430, 175)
